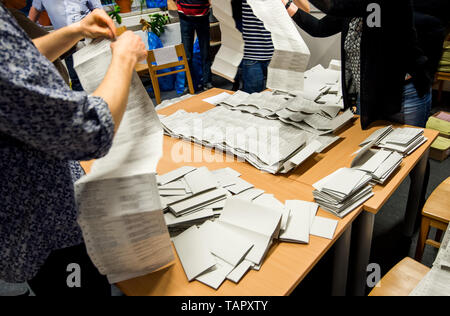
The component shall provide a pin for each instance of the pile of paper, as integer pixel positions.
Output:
(343, 191)
(402, 140)
(120, 212)
(380, 164)
(437, 281)
(315, 118)
(225, 239)
(269, 145)
(324, 86)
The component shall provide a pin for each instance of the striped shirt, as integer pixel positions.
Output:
(193, 7)
(258, 40)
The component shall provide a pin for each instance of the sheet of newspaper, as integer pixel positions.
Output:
(229, 57)
(120, 211)
(291, 57)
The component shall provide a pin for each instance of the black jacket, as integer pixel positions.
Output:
(388, 52)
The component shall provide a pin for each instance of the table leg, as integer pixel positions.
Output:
(414, 206)
(362, 234)
(340, 263)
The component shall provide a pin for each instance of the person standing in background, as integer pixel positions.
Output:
(194, 18)
(258, 45)
(61, 14)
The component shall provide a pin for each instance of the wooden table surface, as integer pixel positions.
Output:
(287, 264)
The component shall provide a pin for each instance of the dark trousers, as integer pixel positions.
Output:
(53, 277)
(200, 25)
(254, 75)
(76, 84)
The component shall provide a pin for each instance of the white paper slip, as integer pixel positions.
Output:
(238, 273)
(215, 276)
(193, 253)
(223, 243)
(341, 120)
(200, 180)
(198, 200)
(298, 225)
(240, 186)
(176, 185)
(217, 98)
(165, 55)
(172, 192)
(172, 220)
(250, 194)
(324, 227)
(174, 175)
(377, 136)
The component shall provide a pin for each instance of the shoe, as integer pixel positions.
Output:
(208, 86)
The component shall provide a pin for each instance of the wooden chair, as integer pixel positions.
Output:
(402, 279)
(153, 70)
(435, 213)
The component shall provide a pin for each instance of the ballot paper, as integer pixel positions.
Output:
(378, 135)
(380, 164)
(291, 55)
(197, 201)
(437, 281)
(192, 249)
(299, 223)
(253, 222)
(343, 191)
(231, 52)
(201, 180)
(120, 212)
(217, 98)
(324, 227)
(238, 273)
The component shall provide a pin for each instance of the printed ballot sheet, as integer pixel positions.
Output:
(231, 52)
(291, 56)
(120, 211)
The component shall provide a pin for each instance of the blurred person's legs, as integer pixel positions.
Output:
(202, 27)
(254, 74)
(54, 278)
(187, 38)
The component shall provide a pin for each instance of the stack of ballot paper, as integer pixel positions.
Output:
(269, 145)
(380, 164)
(402, 140)
(343, 191)
(437, 281)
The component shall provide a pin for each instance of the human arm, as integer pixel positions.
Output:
(324, 27)
(34, 14)
(96, 24)
(38, 109)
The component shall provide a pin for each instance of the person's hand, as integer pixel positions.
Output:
(129, 46)
(97, 25)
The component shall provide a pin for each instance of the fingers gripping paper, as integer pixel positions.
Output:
(291, 56)
(120, 211)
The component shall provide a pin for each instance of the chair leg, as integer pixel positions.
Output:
(155, 84)
(424, 230)
(438, 236)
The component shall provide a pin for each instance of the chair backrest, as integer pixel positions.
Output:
(180, 53)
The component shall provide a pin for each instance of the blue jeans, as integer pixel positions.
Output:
(200, 25)
(415, 110)
(254, 75)
(76, 84)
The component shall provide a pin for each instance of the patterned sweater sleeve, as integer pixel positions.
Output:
(38, 109)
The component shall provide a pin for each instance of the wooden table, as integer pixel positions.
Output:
(287, 264)
(340, 155)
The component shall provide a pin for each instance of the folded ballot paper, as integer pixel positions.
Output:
(437, 281)
(380, 164)
(227, 238)
(343, 191)
(120, 212)
(402, 140)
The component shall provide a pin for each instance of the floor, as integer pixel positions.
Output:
(389, 246)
